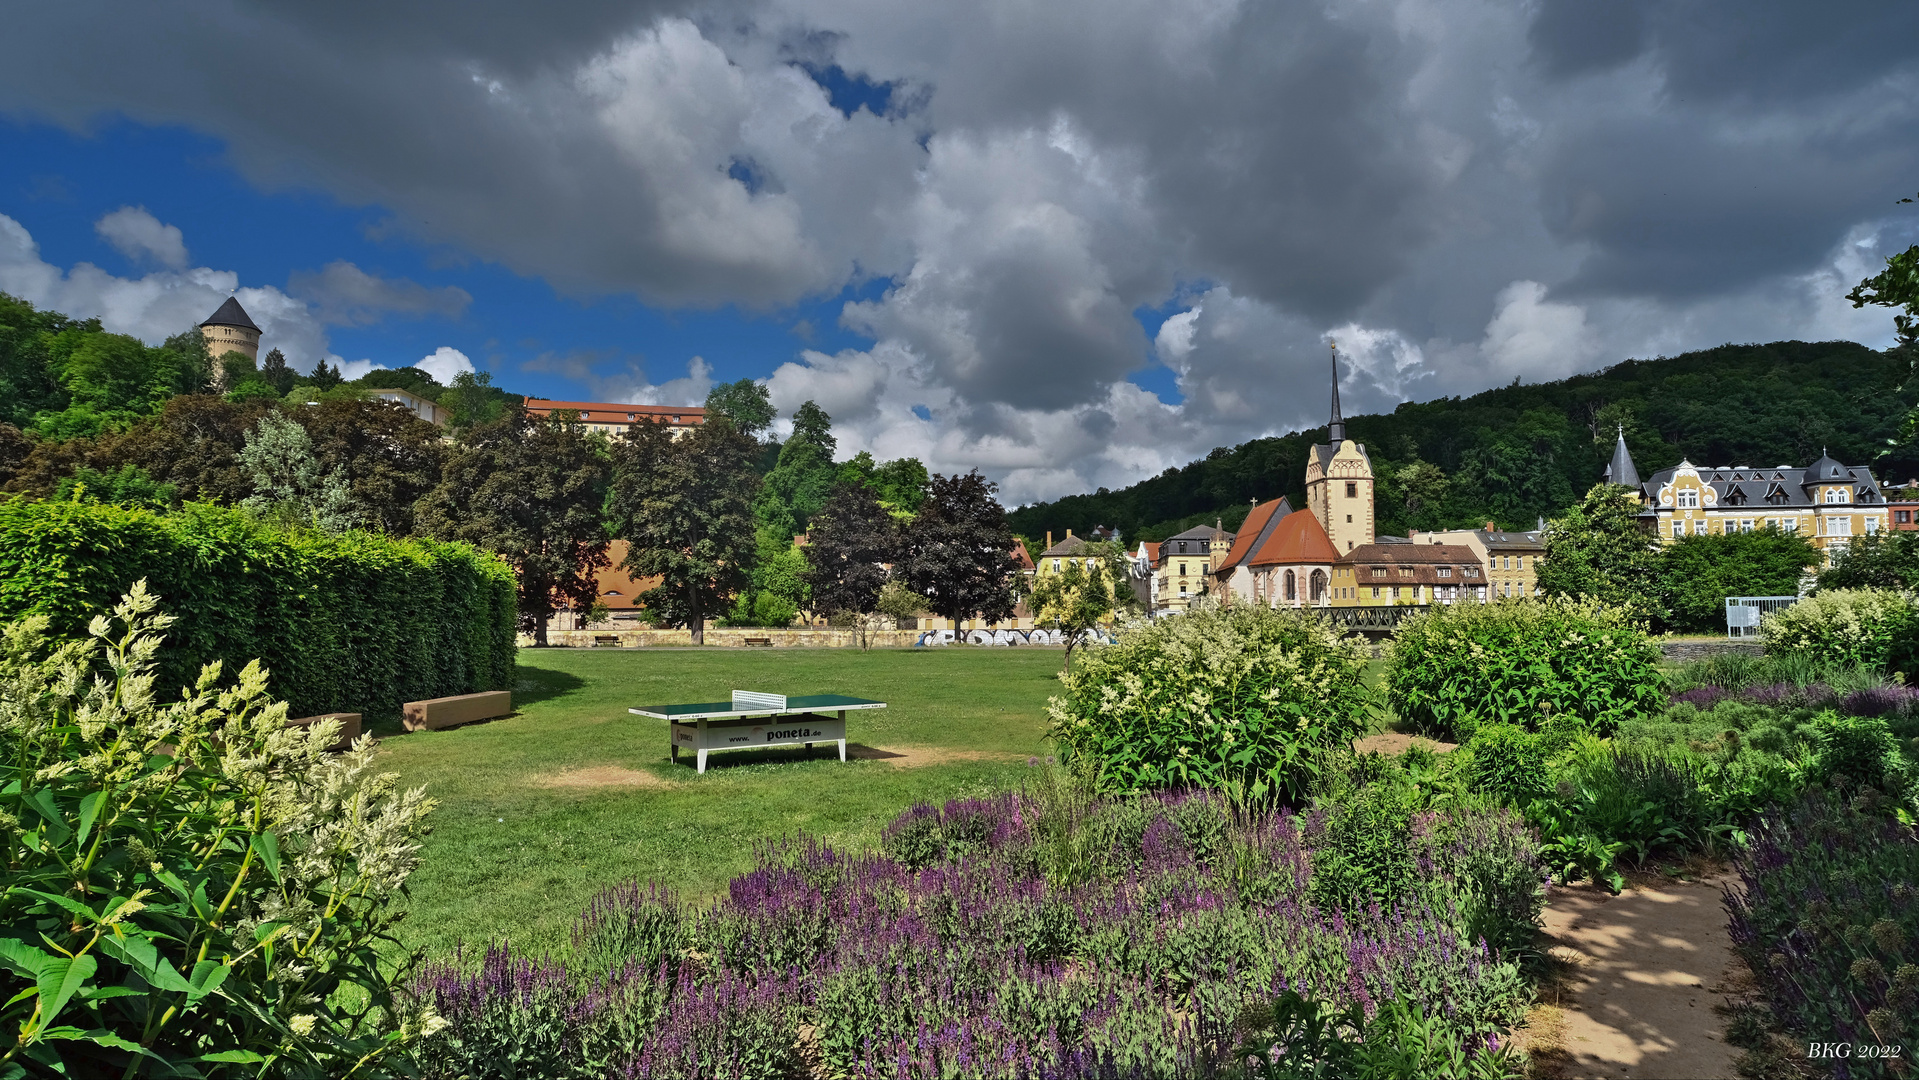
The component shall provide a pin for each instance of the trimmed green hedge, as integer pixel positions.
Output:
(355, 623)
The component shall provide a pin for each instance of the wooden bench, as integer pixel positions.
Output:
(446, 712)
(349, 726)
(606, 639)
(759, 643)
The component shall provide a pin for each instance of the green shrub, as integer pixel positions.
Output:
(1510, 763)
(355, 623)
(193, 889)
(1241, 699)
(1842, 626)
(1522, 662)
(1855, 750)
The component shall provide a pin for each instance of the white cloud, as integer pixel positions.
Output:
(140, 236)
(1535, 338)
(444, 363)
(1175, 339)
(689, 389)
(157, 305)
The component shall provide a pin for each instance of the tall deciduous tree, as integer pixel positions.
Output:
(1886, 560)
(685, 508)
(958, 551)
(1082, 595)
(745, 402)
(390, 457)
(1699, 572)
(1598, 549)
(852, 539)
(531, 490)
(798, 485)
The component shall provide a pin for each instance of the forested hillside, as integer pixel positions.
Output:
(1520, 452)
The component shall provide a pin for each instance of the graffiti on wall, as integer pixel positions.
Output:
(1011, 637)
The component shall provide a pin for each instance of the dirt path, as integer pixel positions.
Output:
(1647, 966)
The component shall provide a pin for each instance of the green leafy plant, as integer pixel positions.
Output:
(1842, 626)
(1522, 662)
(355, 622)
(1244, 700)
(193, 888)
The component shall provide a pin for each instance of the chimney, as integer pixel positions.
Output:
(1490, 527)
(1069, 534)
(1049, 539)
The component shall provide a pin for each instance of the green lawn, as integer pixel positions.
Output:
(525, 833)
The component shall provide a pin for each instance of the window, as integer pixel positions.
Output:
(1379, 571)
(1678, 529)
(1469, 571)
(1522, 562)
(1182, 588)
(1182, 569)
(1375, 592)
(1055, 566)
(1405, 571)
(1790, 525)
(1445, 571)
(1352, 492)
(1182, 550)
(1699, 527)
(1872, 525)
(1745, 524)
(1292, 586)
(1838, 526)
(1902, 517)
(1836, 495)
(1688, 499)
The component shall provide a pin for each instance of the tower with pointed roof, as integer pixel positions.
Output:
(229, 330)
(1339, 481)
(1622, 471)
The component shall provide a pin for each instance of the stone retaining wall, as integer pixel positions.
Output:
(1699, 650)
(732, 639)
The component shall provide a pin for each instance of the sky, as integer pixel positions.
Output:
(1068, 243)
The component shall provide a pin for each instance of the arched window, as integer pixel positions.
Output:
(1319, 586)
(1292, 586)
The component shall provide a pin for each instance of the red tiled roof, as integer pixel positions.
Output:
(1299, 538)
(613, 412)
(1019, 553)
(1412, 554)
(1152, 552)
(1252, 530)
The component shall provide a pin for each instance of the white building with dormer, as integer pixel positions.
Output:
(1827, 502)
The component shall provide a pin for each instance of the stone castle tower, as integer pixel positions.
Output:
(1339, 482)
(229, 330)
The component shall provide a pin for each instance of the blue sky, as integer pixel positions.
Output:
(57, 183)
(1070, 244)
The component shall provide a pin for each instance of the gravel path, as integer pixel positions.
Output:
(1648, 966)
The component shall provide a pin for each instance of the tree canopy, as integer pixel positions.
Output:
(958, 552)
(685, 508)
(1598, 549)
(798, 485)
(745, 402)
(531, 490)
(852, 540)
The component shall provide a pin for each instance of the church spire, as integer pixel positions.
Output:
(1622, 471)
(1336, 431)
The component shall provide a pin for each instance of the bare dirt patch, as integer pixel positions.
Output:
(1394, 743)
(601, 776)
(1644, 970)
(913, 757)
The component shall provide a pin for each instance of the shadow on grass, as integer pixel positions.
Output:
(780, 755)
(532, 685)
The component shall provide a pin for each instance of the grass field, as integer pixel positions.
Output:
(540, 810)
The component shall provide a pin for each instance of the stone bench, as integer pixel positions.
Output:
(759, 642)
(446, 712)
(606, 639)
(349, 726)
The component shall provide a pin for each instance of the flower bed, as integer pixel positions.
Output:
(1828, 920)
(1025, 935)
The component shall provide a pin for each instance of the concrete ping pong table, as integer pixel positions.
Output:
(754, 719)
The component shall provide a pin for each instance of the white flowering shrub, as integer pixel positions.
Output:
(1524, 662)
(1239, 699)
(192, 888)
(1841, 626)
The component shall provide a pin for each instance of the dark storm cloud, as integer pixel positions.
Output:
(1461, 190)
